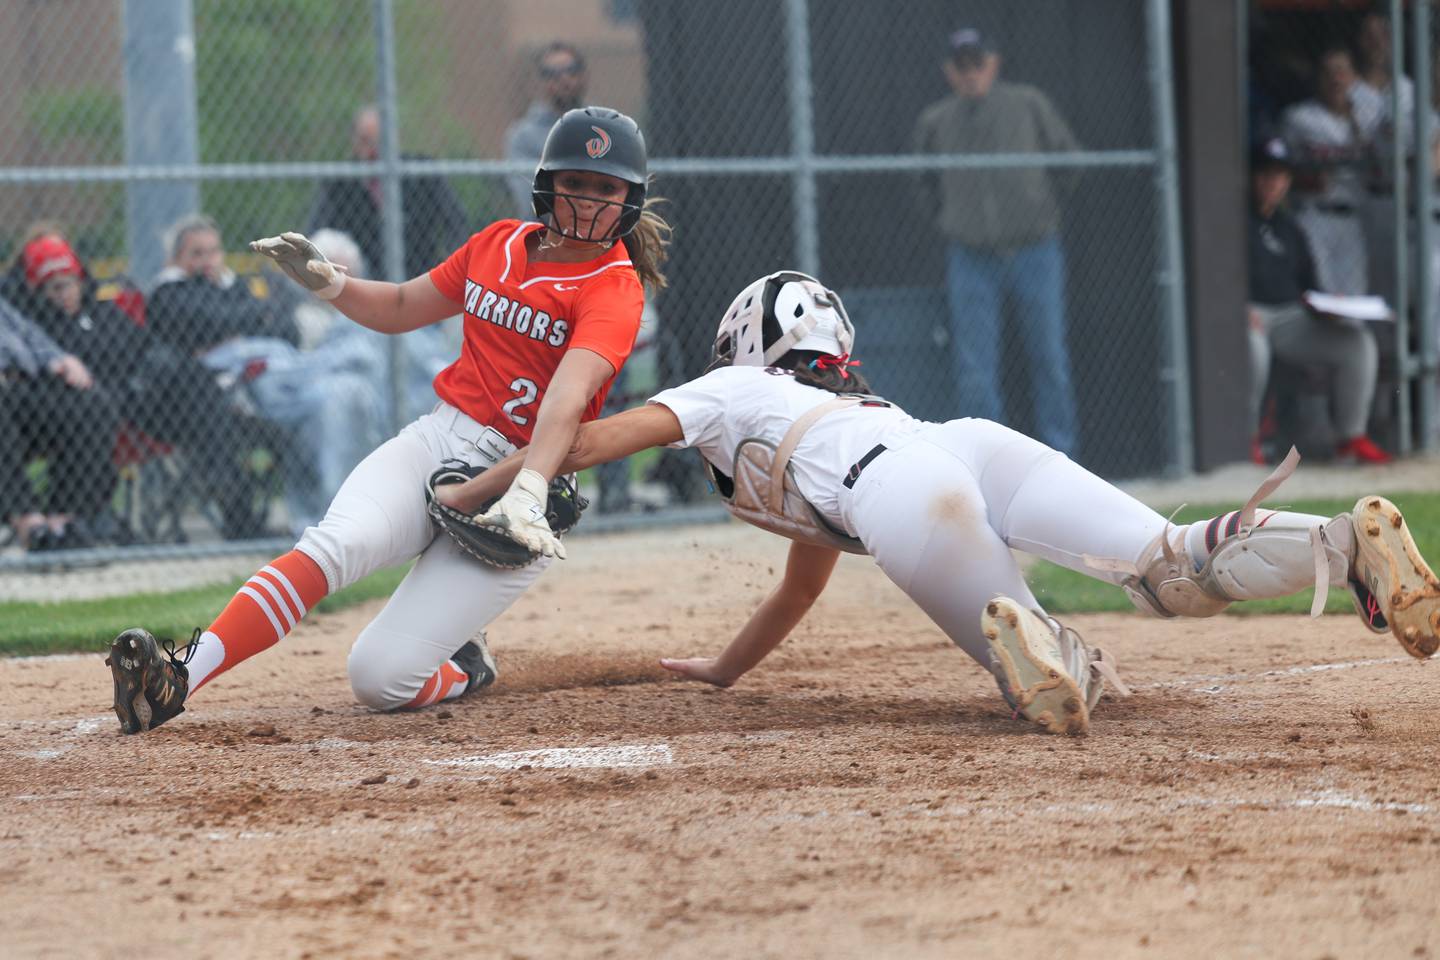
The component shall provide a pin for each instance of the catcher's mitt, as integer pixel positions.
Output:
(492, 545)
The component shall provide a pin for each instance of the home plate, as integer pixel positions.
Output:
(635, 755)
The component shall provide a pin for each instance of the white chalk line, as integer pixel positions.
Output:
(330, 743)
(74, 725)
(1216, 681)
(1102, 810)
(1313, 800)
(83, 727)
(365, 828)
(51, 658)
(1316, 800)
(632, 755)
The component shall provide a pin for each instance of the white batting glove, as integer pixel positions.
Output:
(303, 262)
(521, 512)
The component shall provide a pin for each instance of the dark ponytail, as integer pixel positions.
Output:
(839, 380)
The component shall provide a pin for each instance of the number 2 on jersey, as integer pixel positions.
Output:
(528, 391)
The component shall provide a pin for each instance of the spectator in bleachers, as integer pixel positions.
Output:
(117, 286)
(199, 303)
(434, 219)
(157, 387)
(13, 288)
(1282, 326)
(1003, 229)
(51, 406)
(1332, 164)
(561, 74)
(332, 393)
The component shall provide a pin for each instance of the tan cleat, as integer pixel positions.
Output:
(1392, 586)
(1047, 675)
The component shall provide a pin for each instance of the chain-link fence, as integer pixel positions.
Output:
(1338, 96)
(992, 193)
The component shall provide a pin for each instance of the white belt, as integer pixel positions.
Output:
(486, 441)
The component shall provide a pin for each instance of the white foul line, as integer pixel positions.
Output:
(1320, 798)
(636, 755)
(1288, 672)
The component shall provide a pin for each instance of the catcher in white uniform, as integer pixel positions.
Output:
(796, 445)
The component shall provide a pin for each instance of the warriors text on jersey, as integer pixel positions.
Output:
(521, 317)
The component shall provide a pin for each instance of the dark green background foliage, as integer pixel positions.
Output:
(280, 80)
(277, 80)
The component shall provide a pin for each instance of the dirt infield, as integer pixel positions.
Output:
(1270, 790)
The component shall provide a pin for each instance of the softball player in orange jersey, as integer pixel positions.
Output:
(551, 311)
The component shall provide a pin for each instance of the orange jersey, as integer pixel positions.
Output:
(520, 318)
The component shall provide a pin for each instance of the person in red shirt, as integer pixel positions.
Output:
(551, 311)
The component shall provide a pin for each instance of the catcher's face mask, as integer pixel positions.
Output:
(782, 312)
(587, 206)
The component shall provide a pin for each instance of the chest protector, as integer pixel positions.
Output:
(763, 491)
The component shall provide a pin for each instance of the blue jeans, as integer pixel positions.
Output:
(334, 401)
(1031, 282)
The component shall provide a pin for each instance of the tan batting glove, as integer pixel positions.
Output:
(303, 262)
(521, 513)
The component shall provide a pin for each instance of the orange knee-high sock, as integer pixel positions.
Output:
(265, 609)
(447, 682)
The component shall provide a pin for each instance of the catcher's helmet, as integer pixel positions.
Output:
(778, 313)
(599, 140)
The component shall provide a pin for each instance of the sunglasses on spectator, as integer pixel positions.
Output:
(569, 70)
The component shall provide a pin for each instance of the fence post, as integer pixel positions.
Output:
(1425, 229)
(161, 121)
(1401, 227)
(802, 139)
(392, 203)
(1170, 277)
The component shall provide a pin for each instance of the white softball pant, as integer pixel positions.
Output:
(941, 511)
(378, 519)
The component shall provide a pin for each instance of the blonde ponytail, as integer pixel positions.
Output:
(647, 243)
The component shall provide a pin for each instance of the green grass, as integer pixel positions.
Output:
(1064, 591)
(86, 625)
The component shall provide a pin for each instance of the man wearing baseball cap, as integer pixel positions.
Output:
(1282, 269)
(1002, 228)
(50, 405)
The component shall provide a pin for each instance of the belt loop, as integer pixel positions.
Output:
(858, 467)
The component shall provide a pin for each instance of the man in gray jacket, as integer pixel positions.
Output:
(1002, 228)
(562, 77)
(49, 404)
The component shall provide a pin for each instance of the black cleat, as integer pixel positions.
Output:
(149, 688)
(475, 659)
